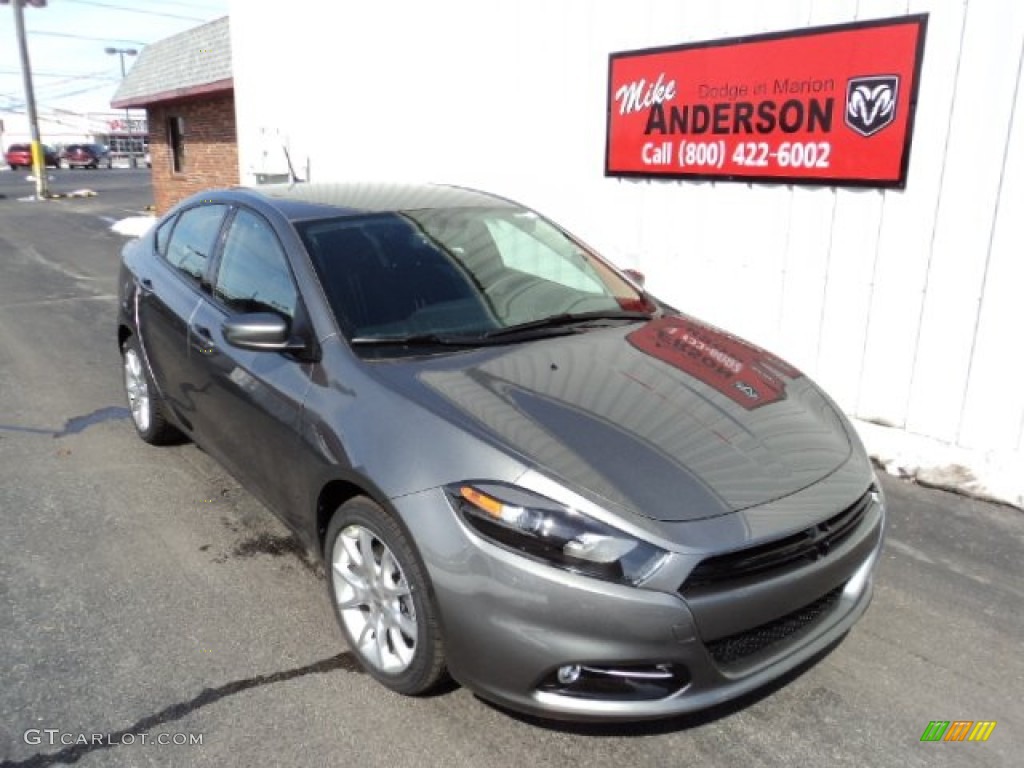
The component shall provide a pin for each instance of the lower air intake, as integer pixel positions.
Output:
(738, 647)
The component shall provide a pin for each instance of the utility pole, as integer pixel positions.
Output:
(122, 52)
(38, 158)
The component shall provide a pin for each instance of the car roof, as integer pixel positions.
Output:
(302, 201)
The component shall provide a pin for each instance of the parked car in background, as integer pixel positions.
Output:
(20, 156)
(517, 465)
(88, 156)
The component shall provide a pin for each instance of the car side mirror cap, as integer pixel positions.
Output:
(261, 331)
(636, 276)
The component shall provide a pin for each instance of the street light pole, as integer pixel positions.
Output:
(38, 156)
(122, 52)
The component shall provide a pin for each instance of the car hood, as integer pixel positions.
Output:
(673, 419)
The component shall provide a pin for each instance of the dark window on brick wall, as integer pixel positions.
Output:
(176, 139)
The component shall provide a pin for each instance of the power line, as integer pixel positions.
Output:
(57, 85)
(57, 112)
(97, 76)
(126, 9)
(55, 97)
(194, 6)
(32, 32)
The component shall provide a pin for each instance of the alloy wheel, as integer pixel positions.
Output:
(374, 600)
(137, 387)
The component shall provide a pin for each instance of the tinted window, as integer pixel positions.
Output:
(194, 238)
(457, 271)
(253, 274)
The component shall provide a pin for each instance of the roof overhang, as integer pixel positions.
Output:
(143, 101)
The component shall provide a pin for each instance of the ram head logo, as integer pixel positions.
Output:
(871, 103)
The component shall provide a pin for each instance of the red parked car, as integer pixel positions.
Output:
(87, 156)
(21, 155)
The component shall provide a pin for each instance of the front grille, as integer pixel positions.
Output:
(782, 555)
(729, 650)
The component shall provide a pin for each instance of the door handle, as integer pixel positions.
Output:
(146, 286)
(202, 339)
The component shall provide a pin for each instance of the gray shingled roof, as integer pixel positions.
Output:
(178, 65)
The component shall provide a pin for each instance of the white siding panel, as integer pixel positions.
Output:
(994, 409)
(974, 161)
(904, 252)
(848, 293)
(808, 252)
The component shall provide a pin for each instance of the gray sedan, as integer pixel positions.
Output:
(520, 468)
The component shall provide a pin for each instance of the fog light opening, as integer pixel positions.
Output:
(569, 674)
(632, 682)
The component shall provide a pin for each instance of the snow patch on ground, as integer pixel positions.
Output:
(133, 226)
(991, 475)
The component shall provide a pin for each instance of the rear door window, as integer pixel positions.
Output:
(194, 238)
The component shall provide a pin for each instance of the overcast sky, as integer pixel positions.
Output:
(66, 43)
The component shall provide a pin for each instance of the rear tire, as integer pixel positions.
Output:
(146, 408)
(382, 599)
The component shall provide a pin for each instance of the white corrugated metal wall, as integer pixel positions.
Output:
(904, 304)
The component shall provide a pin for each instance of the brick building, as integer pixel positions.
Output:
(186, 86)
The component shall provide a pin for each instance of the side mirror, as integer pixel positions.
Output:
(261, 331)
(636, 276)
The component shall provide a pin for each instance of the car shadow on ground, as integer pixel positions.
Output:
(672, 724)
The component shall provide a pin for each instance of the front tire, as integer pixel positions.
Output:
(382, 599)
(147, 410)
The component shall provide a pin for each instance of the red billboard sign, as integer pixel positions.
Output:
(826, 105)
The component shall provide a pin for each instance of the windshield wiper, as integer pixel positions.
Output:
(568, 319)
(556, 324)
(415, 340)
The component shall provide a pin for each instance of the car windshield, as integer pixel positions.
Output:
(459, 275)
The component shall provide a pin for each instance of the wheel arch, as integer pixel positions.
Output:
(123, 334)
(341, 489)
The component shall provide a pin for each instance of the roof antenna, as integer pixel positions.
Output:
(291, 170)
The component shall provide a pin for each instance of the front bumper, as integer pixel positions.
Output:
(510, 623)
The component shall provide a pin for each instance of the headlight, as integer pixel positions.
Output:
(545, 530)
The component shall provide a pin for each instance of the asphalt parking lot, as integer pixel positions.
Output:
(144, 593)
